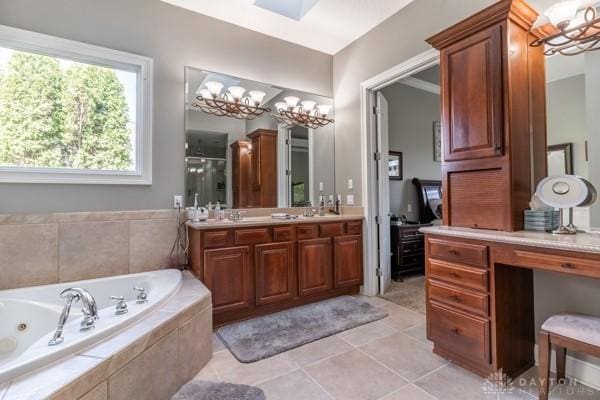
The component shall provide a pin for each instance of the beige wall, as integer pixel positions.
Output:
(411, 115)
(397, 39)
(174, 38)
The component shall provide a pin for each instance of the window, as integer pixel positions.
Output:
(73, 113)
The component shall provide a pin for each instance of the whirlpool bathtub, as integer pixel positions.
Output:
(29, 317)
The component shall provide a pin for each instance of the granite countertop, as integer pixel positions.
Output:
(267, 220)
(584, 242)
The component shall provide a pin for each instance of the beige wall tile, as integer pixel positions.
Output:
(195, 344)
(92, 250)
(151, 376)
(150, 244)
(100, 392)
(28, 255)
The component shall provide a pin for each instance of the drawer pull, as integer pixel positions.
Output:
(567, 266)
(456, 330)
(455, 298)
(453, 252)
(453, 274)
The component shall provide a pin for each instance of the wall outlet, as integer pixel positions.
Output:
(350, 184)
(350, 199)
(409, 208)
(178, 201)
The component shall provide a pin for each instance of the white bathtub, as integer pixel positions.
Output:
(29, 317)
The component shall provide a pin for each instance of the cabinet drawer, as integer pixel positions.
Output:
(330, 230)
(249, 236)
(460, 333)
(411, 233)
(464, 253)
(354, 228)
(307, 232)
(412, 260)
(475, 303)
(283, 233)
(413, 246)
(216, 239)
(472, 278)
(551, 262)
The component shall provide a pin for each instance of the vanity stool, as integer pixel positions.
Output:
(580, 333)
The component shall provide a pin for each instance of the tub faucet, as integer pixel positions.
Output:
(90, 312)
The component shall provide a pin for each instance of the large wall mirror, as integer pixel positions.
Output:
(573, 101)
(255, 145)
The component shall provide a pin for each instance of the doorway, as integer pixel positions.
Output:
(295, 157)
(392, 148)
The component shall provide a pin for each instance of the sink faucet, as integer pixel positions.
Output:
(90, 312)
(338, 202)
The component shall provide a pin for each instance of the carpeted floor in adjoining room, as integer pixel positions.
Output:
(409, 294)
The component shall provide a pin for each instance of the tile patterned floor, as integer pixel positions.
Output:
(386, 360)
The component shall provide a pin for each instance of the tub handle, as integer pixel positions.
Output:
(121, 307)
(142, 297)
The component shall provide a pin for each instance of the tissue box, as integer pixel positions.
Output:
(541, 220)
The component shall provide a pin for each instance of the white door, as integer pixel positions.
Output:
(383, 182)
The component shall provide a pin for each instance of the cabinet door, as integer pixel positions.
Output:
(315, 269)
(227, 276)
(472, 100)
(274, 272)
(347, 257)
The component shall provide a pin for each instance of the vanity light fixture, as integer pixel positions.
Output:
(566, 34)
(231, 103)
(308, 114)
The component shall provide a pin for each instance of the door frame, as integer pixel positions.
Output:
(368, 132)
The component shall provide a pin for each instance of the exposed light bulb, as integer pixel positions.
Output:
(324, 109)
(308, 105)
(257, 96)
(291, 101)
(237, 92)
(214, 88)
(561, 14)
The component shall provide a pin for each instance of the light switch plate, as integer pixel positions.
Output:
(350, 199)
(177, 201)
(350, 184)
(321, 186)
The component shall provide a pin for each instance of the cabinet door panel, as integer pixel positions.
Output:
(348, 261)
(227, 276)
(315, 269)
(472, 98)
(274, 272)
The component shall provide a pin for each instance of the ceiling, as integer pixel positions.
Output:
(329, 26)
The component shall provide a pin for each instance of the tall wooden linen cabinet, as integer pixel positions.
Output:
(493, 116)
(254, 170)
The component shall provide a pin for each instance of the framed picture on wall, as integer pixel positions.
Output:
(437, 141)
(395, 165)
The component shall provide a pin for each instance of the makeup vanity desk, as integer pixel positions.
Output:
(480, 303)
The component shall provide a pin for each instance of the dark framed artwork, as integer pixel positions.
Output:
(395, 165)
(437, 141)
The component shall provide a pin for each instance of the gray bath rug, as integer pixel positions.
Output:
(204, 390)
(263, 337)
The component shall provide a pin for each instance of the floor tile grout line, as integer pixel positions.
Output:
(431, 372)
(424, 391)
(327, 358)
(383, 365)
(312, 378)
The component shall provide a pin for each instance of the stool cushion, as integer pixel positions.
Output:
(583, 328)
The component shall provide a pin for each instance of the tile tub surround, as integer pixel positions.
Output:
(583, 242)
(150, 360)
(64, 247)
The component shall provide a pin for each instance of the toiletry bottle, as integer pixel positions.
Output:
(219, 211)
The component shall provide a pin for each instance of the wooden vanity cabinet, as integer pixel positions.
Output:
(258, 270)
(493, 116)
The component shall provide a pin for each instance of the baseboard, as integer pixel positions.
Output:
(583, 371)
